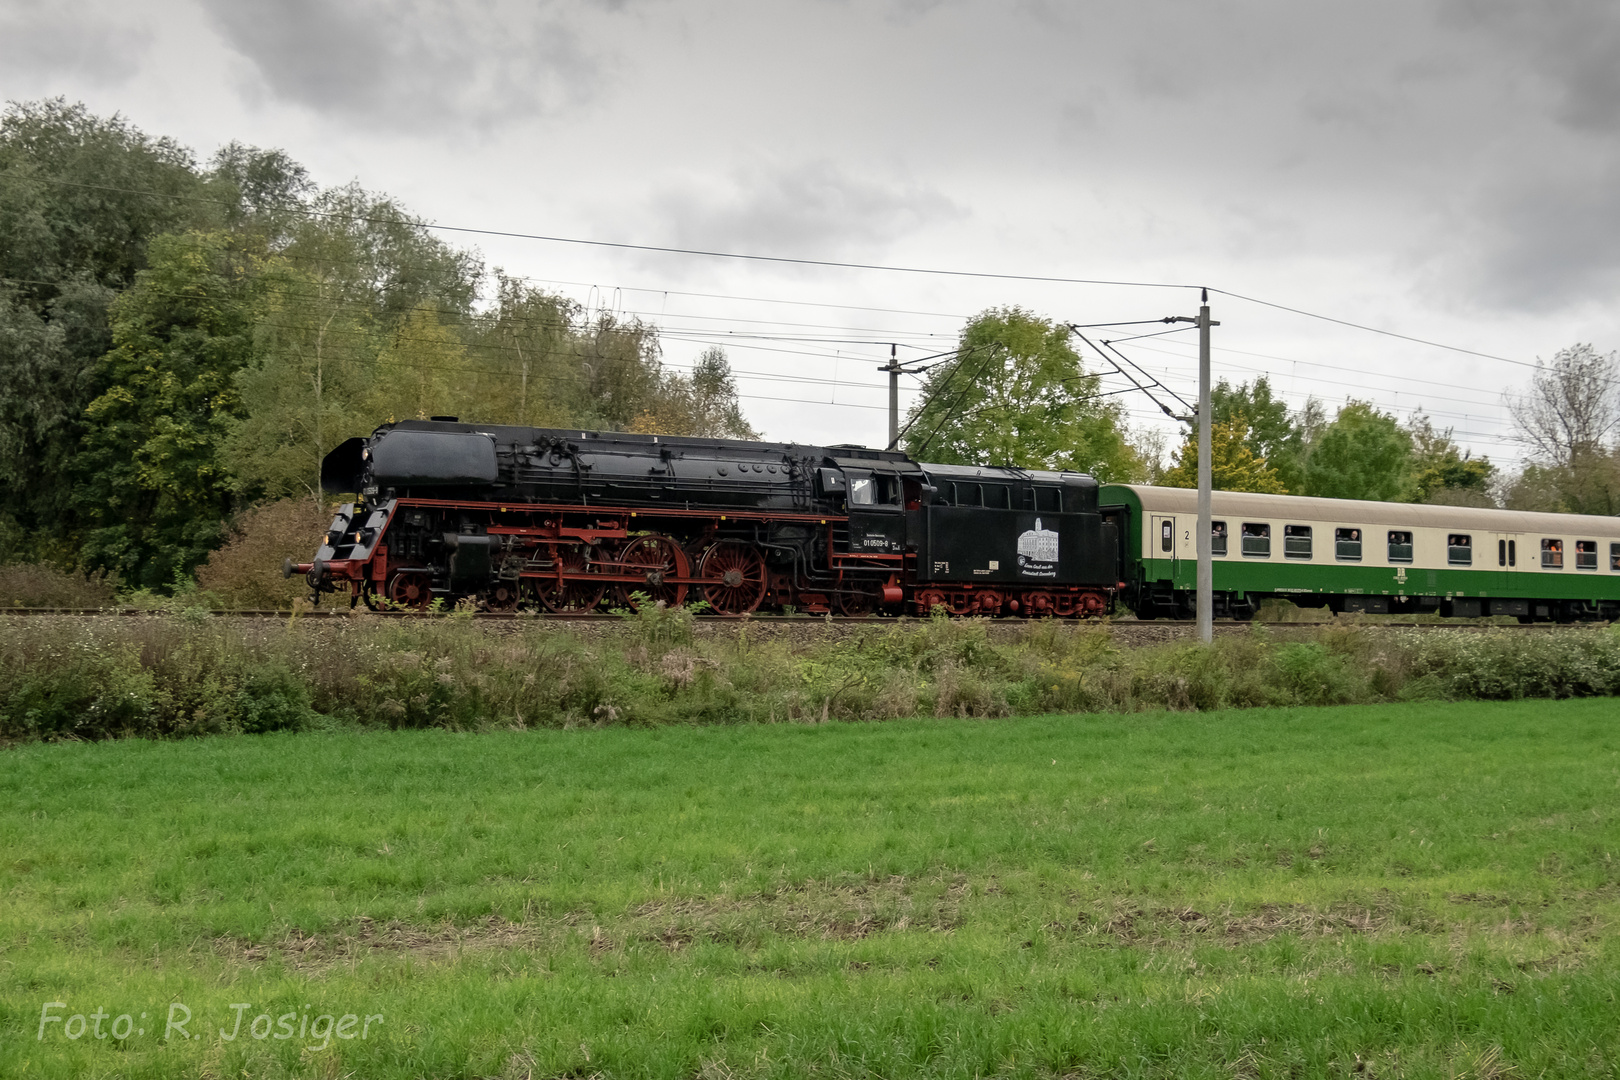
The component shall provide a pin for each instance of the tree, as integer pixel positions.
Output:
(422, 371)
(1568, 419)
(1362, 454)
(306, 387)
(702, 404)
(83, 198)
(1017, 394)
(1234, 466)
(154, 487)
(1274, 436)
(529, 369)
(1442, 472)
(1572, 407)
(336, 350)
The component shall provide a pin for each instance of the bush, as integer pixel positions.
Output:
(43, 585)
(167, 674)
(245, 572)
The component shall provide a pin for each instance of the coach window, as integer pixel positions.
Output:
(1400, 547)
(1552, 554)
(1513, 553)
(1217, 538)
(1460, 549)
(1501, 553)
(1297, 541)
(1347, 544)
(1256, 540)
(1614, 556)
(1586, 554)
(995, 496)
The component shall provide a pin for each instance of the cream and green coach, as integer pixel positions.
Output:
(1375, 557)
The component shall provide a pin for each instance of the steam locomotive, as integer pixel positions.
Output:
(573, 520)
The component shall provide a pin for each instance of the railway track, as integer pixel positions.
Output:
(1175, 627)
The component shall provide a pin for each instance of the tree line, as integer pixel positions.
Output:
(182, 341)
(1016, 392)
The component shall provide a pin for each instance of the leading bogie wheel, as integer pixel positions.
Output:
(411, 589)
(734, 577)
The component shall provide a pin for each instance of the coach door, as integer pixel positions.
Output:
(1504, 561)
(1162, 540)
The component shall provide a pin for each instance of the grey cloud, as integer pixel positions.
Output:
(69, 40)
(817, 210)
(416, 64)
(1573, 44)
(1546, 245)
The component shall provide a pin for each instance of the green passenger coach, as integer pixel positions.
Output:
(1375, 557)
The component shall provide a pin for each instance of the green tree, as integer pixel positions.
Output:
(422, 370)
(306, 387)
(81, 200)
(336, 351)
(1234, 466)
(1362, 454)
(528, 357)
(154, 487)
(1442, 472)
(1275, 436)
(703, 404)
(1017, 394)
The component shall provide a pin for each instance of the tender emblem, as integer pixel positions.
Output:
(1038, 551)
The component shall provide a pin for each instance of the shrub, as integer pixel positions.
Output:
(43, 585)
(168, 675)
(245, 572)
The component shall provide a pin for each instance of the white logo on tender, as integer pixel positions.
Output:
(1038, 545)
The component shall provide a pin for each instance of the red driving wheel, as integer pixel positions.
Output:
(570, 596)
(734, 577)
(655, 560)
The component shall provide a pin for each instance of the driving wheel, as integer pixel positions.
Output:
(656, 560)
(570, 596)
(734, 577)
(859, 598)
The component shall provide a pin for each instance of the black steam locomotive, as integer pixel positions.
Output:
(572, 520)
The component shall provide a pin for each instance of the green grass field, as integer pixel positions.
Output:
(1402, 890)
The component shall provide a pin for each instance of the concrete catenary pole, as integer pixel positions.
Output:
(1206, 568)
(894, 396)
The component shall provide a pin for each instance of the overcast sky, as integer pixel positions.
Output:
(1443, 169)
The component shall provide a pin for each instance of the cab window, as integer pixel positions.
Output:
(862, 491)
